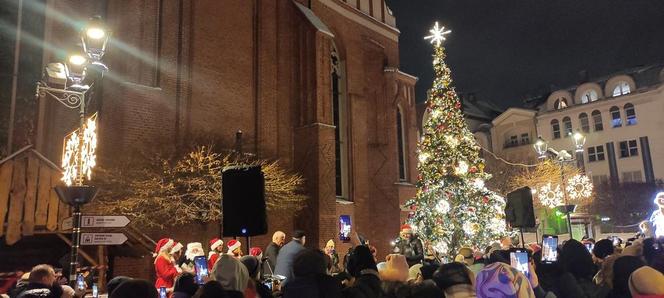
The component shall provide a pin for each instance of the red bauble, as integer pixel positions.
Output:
(485, 199)
(413, 207)
(471, 209)
(457, 105)
(441, 127)
(473, 169)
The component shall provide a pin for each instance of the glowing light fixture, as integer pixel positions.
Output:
(79, 153)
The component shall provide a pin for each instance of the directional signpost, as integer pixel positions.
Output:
(97, 221)
(103, 238)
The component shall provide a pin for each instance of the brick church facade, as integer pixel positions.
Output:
(313, 83)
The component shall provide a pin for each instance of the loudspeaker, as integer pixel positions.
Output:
(519, 208)
(243, 201)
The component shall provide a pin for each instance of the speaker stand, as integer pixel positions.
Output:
(248, 244)
(523, 243)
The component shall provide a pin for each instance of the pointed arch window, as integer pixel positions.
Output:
(597, 120)
(630, 114)
(585, 125)
(340, 126)
(401, 143)
(555, 128)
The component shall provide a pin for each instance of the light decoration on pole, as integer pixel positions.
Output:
(550, 196)
(79, 157)
(579, 141)
(579, 187)
(540, 147)
(437, 34)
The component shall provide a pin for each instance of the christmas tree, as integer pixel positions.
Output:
(453, 208)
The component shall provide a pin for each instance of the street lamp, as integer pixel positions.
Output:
(542, 149)
(69, 83)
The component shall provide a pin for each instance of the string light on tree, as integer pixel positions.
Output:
(452, 208)
(550, 196)
(579, 187)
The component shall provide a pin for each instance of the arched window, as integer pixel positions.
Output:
(555, 128)
(401, 143)
(621, 89)
(340, 132)
(597, 120)
(567, 124)
(585, 125)
(560, 103)
(630, 114)
(616, 121)
(589, 96)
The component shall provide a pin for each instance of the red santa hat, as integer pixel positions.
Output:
(233, 245)
(406, 229)
(194, 249)
(163, 245)
(256, 252)
(177, 247)
(215, 242)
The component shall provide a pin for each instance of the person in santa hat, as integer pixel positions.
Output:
(234, 248)
(164, 265)
(176, 255)
(194, 249)
(409, 246)
(216, 248)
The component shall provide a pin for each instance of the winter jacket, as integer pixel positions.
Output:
(37, 290)
(286, 258)
(271, 253)
(570, 287)
(318, 286)
(412, 249)
(365, 286)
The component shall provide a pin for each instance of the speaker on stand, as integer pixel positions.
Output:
(243, 202)
(519, 211)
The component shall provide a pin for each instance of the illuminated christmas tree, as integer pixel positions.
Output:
(453, 208)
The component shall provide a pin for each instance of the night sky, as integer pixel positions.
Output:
(507, 50)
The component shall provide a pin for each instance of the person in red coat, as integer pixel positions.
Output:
(216, 248)
(164, 265)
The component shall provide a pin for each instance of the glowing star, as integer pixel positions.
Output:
(549, 196)
(437, 34)
(424, 156)
(579, 187)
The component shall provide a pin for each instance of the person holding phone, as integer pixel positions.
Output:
(164, 265)
(409, 246)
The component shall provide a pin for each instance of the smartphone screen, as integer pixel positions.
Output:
(549, 249)
(519, 260)
(268, 284)
(162, 292)
(201, 266)
(589, 247)
(95, 291)
(80, 282)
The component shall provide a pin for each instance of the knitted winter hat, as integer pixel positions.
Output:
(396, 268)
(215, 242)
(233, 245)
(646, 282)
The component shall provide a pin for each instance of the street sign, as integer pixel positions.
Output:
(96, 221)
(103, 238)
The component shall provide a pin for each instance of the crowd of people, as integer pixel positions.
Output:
(292, 270)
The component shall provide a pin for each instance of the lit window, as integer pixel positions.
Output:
(616, 121)
(621, 89)
(597, 120)
(630, 114)
(628, 149)
(567, 124)
(560, 103)
(585, 125)
(555, 128)
(589, 96)
(402, 144)
(596, 154)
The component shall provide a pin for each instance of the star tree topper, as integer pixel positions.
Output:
(437, 34)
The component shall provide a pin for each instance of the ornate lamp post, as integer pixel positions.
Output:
(542, 149)
(69, 83)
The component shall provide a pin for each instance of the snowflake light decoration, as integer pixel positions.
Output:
(437, 34)
(79, 153)
(579, 187)
(549, 196)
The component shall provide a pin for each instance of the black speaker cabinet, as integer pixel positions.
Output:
(243, 201)
(519, 208)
